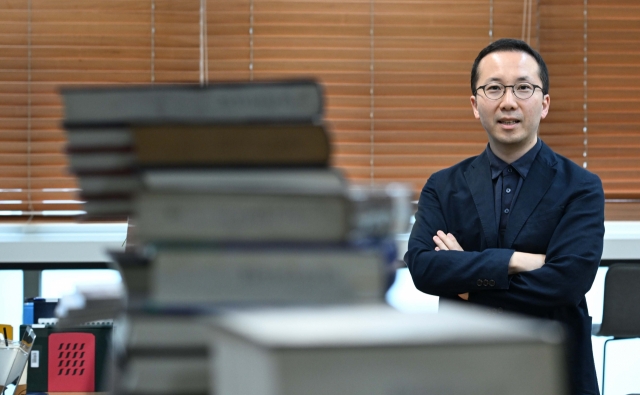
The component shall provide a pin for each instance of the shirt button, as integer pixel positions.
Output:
(479, 282)
(492, 283)
(508, 190)
(506, 211)
(509, 170)
(485, 282)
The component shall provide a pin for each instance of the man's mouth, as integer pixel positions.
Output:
(508, 121)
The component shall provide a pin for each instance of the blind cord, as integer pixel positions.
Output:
(529, 23)
(490, 21)
(204, 67)
(524, 18)
(371, 94)
(526, 21)
(206, 45)
(153, 41)
(251, 41)
(29, 196)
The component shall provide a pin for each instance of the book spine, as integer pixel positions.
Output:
(237, 217)
(264, 276)
(102, 161)
(79, 139)
(223, 103)
(110, 185)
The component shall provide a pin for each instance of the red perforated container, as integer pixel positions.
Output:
(72, 359)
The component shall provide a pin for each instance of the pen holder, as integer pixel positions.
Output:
(13, 358)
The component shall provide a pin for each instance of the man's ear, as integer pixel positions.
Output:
(474, 105)
(546, 102)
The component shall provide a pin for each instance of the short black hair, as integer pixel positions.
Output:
(510, 45)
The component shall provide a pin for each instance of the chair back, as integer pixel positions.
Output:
(621, 309)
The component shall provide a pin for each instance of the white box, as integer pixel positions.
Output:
(375, 350)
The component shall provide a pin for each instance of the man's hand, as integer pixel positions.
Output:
(525, 262)
(446, 242)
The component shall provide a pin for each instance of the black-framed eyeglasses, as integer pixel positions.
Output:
(496, 90)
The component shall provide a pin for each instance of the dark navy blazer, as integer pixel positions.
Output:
(559, 212)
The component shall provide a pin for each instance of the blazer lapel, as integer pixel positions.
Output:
(478, 178)
(534, 187)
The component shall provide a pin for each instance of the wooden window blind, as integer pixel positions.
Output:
(396, 76)
(396, 73)
(14, 128)
(55, 44)
(175, 41)
(423, 52)
(47, 45)
(592, 48)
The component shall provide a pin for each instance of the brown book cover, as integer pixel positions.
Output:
(297, 144)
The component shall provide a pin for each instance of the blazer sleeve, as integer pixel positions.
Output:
(572, 258)
(449, 273)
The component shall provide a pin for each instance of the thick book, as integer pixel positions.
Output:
(375, 350)
(161, 352)
(264, 216)
(215, 180)
(212, 145)
(119, 207)
(177, 374)
(267, 275)
(243, 145)
(98, 185)
(102, 161)
(92, 138)
(134, 269)
(112, 194)
(160, 332)
(239, 102)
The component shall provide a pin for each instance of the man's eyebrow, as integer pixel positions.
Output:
(519, 79)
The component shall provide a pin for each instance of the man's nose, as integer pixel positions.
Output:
(509, 101)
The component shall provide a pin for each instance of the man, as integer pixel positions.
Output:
(518, 228)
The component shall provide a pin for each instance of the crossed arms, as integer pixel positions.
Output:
(519, 262)
(551, 263)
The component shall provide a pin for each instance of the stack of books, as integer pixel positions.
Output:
(111, 132)
(160, 351)
(235, 205)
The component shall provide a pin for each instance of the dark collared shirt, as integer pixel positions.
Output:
(507, 181)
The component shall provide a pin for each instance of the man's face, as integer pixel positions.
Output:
(511, 123)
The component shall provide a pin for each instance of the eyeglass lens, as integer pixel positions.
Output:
(521, 91)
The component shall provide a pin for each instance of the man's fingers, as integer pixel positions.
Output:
(440, 245)
(449, 241)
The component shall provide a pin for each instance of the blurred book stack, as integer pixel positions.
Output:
(108, 132)
(234, 204)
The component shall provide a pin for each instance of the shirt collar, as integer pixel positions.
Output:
(522, 165)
